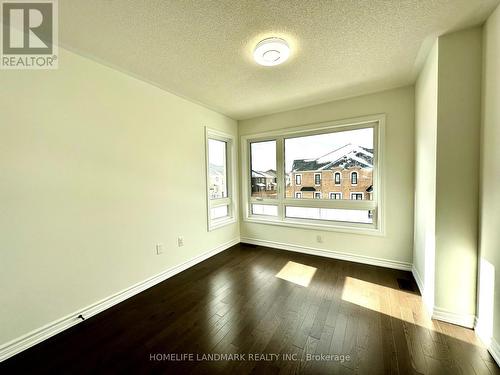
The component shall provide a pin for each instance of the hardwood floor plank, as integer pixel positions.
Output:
(233, 304)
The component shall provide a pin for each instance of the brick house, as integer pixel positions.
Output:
(345, 173)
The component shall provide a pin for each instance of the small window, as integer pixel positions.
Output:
(317, 179)
(264, 209)
(220, 161)
(298, 194)
(354, 178)
(335, 195)
(317, 195)
(357, 196)
(298, 179)
(337, 178)
(218, 212)
(263, 169)
(329, 214)
(217, 167)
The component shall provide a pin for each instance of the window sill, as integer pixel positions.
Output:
(351, 228)
(219, 223)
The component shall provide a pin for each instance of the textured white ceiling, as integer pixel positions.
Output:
(202, 49)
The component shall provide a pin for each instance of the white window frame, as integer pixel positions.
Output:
(376, 205)
(230, 200)
(317, 174)
(340, 179)
(295, 177)
(334, 192)
(352, 193)
(317, 193)
(357, 178)
(298, 194)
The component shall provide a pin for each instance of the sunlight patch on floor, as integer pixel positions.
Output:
(297, 273)
(401, 305)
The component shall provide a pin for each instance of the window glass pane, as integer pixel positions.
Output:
(263, 167)
(218, 212)
(217, 165)
(317, 158)
(337, 177)
(264, 209)
(335, 195)
(332, 214)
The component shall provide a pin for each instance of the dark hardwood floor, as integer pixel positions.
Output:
(234, 304)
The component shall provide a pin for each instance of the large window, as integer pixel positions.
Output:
(307, 165)
(220, 163)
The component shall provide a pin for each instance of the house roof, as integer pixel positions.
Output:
(347, 156)
(271, 173)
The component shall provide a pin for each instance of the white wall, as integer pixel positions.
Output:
(396, 245)
(457, 164)
(489, 278)
(426, 90)
(96, 168)
(448, 106)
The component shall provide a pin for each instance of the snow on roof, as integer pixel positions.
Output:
(267, 174)
(346, 156)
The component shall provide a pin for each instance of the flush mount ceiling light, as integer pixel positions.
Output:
(271, 51)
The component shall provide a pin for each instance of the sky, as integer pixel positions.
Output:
(216, 152)
(311, 147)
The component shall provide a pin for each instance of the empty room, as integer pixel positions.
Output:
(250, 187)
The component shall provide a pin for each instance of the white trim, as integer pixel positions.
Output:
(356, 193)
(421, 288)
(405, 266)
(334, 192)
(231, 176)
(483, 333)
(494, 349)
(489, 341)
(320, 178)
(316, 193)
(418, 279)
(295, 178)
(314, 224)
(298, 194)
(464, 320)
(36, 336)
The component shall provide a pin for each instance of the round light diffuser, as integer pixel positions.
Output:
(271, 51)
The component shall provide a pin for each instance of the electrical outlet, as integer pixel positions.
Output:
(180, 241)
(319, 239)
(159, 248)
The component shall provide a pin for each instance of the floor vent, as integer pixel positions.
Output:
(247, 245)
(407, 285)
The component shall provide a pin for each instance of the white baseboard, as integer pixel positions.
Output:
(331, 254)
(34, 337)
(484, 334)
(423, 292)
(464, 320)
(418, 279)
(494, 349)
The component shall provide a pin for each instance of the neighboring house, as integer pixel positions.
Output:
(345, 173)
(264, 183)
(217, 181)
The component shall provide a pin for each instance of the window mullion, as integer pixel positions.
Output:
(280, 172)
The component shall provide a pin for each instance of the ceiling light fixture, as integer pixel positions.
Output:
(271, 51)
